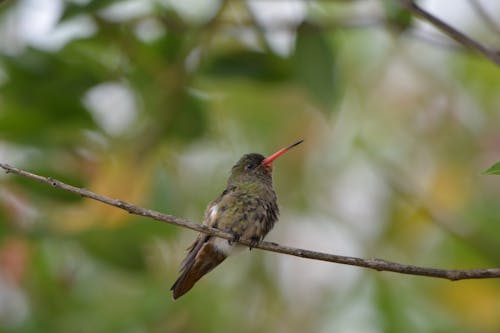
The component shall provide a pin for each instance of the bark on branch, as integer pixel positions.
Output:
(453, 33)
(376, 264)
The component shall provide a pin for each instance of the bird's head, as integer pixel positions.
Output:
(256, 167)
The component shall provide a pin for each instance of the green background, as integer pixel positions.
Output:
(154, 107)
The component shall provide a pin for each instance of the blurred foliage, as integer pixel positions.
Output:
(314, 62)
(153, 101)
(493, 170)
(397, 16)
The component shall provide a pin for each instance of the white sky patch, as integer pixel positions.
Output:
(16, 154)
(280, 14)
(38, 25)
(314, 277)
(80, 2)
(193, 59)
(458, 14)
(361, 304)
(14, 308)
(81, 26)
(27, 213)
(358, 197)
(112, 105)
(38, 18)
(126, 10)
(194, 10)
(149, 30)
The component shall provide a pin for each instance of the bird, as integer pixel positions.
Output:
(247, 209)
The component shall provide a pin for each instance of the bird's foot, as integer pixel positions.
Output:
(254, 241)
(235, 239)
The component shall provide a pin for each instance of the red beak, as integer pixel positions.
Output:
(269, 160)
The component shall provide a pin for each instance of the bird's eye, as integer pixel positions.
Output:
(249, 166)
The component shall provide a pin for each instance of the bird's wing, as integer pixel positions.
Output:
(195, 247)
(204, 260)
(240, 213)
(224, 213)
(203, 256)
(245, 215)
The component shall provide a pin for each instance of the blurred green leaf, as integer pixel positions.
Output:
(397, 16)
(3, 3)
(72, 9)
(188, 120)
(480, 79)
(250, 64)
(41, 99)
(121, 247)
(48, 192)
(493, 170)
(162, 197)
(4, 227)
(314, 63)
(484, 213)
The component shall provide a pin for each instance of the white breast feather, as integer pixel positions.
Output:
(222, 245)
(212, 213)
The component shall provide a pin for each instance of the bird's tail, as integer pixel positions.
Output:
(207, 258)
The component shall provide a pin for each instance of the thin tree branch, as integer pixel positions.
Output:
(487, 19)
(438, 41)
(450, 31)
(376, 264)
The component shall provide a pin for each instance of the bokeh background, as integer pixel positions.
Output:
(152, 101)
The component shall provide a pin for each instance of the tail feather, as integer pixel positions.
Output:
(207, 258)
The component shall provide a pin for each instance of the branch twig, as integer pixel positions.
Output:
(487, 19)
(376, 264)
(450, 31)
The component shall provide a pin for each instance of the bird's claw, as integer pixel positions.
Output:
(235, 239)
(254, 241)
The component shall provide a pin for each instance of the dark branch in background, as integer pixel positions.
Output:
(450, 31)
(242, 24)
(438, 41)
(490, 22)
(413, 195)
(376, 264)
(444, 27)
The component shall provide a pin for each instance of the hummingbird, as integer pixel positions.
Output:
(247, 209)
